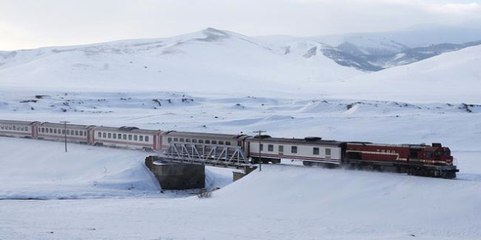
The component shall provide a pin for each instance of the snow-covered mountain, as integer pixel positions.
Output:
(378, 51)
(210, 60)
(217, 61)
(454, 76)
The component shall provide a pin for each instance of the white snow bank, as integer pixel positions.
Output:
(38, 169)
(278, 203)
(41, 169)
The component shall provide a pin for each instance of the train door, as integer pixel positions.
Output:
(34, 129)
(281, 150)
(413, 154)
(90, 136)
(155, 139)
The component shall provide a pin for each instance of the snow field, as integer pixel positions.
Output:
(281, 202)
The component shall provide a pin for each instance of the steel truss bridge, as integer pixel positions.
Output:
(208, 154)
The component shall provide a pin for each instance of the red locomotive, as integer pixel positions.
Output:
(422, 160)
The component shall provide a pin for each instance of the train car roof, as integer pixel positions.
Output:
(422, 145)
(201, 134)
(309, 141)
(62, 124)
(17, 122)
(126, 129)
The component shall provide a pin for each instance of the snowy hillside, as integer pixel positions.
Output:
(454, 77)
(207, 61)
(46, 172)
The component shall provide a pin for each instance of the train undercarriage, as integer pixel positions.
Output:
(447, 172)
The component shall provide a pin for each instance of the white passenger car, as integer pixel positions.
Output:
(58, 131)
(127, 137)
(308, 150)
(12, 128)
(202, 138)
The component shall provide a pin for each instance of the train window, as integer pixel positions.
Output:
(135, 137)
(50, 130)
(214, 141)
(55, 131)
(281, 148)
(262, 147)
(207, 141)
(169, 139)
(293, 149)
(141, 138)
(130, 136)
(104, 135)
(180, 139)
(176, 139)
(76, 132)
(447, 152)
(146, 138)
(227, 143)
(270, 147)
(43, 129)
(201, 141)
(63, 132)
(109, 135)
(125, 137)
(428, 154)
(315, 151)
(99, 135)
(119, 136)
(221, 142)
(328, 151)
(114, 135)
(194, 140)
(187, 140)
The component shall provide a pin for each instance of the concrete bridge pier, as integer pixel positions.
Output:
(177, 176)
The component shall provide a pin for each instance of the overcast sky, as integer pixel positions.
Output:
(37, 23)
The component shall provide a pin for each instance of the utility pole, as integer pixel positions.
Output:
(65, 133)
(259, 132)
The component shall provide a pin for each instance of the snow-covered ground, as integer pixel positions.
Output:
(45, 171)
(281, 202)
(116, 197)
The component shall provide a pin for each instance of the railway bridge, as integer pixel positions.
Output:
(182, 165)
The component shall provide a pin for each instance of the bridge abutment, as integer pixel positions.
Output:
(177, 176)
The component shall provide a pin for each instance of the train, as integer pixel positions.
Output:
(432, 160)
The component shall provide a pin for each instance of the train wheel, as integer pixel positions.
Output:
(307, 163)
